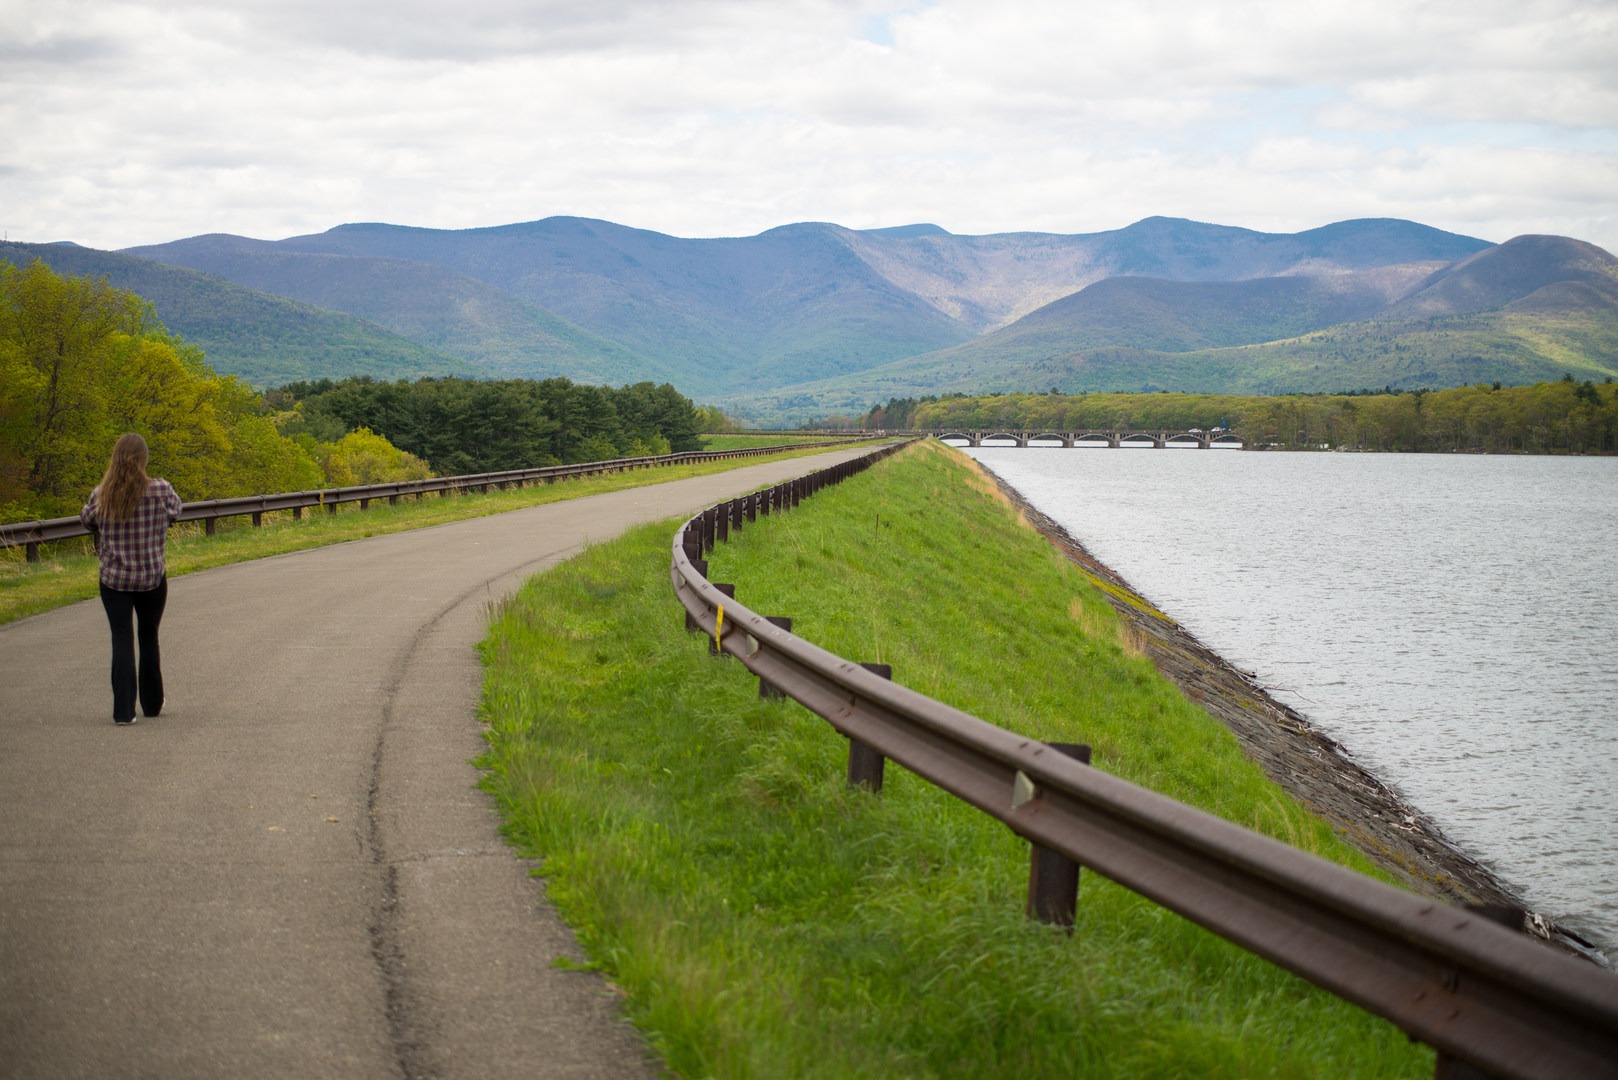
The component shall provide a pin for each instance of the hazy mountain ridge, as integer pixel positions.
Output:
(440, 308)
(1512, 272)
(989, 282)
(737, 311)
(266, 339)
(811, 317)
(1531, 309)
(735, 316)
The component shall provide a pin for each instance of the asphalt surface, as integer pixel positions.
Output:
(291, 872)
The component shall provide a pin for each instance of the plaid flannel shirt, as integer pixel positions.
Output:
(132, 551)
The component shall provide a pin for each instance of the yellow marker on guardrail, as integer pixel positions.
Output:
(718, 624)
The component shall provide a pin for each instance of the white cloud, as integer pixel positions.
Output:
(142, 121)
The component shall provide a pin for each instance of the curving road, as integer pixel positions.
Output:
(291, 873)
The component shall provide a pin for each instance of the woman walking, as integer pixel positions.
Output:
(129, 515)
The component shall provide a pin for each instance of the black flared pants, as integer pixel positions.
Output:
(145, 610)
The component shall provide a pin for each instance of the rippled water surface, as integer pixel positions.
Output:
(1452, 620)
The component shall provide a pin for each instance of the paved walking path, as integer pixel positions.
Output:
(290, 872)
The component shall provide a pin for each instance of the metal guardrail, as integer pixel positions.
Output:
(1481, 994)
(30, 534)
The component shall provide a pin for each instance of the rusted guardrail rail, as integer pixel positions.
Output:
(30, 534)
(1480, 993)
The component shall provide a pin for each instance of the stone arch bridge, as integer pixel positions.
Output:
(1202, 440)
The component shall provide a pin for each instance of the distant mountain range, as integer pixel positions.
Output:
(811, 318)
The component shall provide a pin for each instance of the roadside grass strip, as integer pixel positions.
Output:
(762, 920)
(67, 570)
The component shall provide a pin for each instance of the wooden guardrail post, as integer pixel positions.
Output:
(701, 566)
(1446, 1067)
(710, 531)
(765, 690)
(692, 543)
(866, 765)
(1053, 878)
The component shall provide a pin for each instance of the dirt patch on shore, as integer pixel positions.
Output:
(1309, 765)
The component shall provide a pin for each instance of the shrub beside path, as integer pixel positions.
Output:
(291, 871)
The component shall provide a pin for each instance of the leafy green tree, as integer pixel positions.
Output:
(81, 363)
(711, 418)
(57, 339)
(364, 457)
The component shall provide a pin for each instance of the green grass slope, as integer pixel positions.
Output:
(267, 340)
(763, 921)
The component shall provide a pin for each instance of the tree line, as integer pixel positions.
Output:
(470, 426)
(1565, 416)
(81, 362)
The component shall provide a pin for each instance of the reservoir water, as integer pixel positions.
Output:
(1451, 620)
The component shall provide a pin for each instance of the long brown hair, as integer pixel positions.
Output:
(125, 480)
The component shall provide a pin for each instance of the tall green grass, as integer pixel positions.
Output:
(763, 921)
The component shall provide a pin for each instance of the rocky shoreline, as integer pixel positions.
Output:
(1309, 765)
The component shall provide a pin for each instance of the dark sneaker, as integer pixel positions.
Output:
(123, 723)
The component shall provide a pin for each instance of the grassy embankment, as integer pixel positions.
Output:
(66, 571)
(764, 921)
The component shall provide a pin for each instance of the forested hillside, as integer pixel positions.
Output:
(82, 362)
(714, 316)
(737, 317)
(809, 319)
(493, 331)
(1516, 313)
(262, 338)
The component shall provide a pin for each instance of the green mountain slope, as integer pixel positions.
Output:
(789, 304)
(265, 339)
(1525, 311)
(811, 318)
(1514, 272)
(436, 307)
(729, 317)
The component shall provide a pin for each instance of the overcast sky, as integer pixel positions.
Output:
(125, 123)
